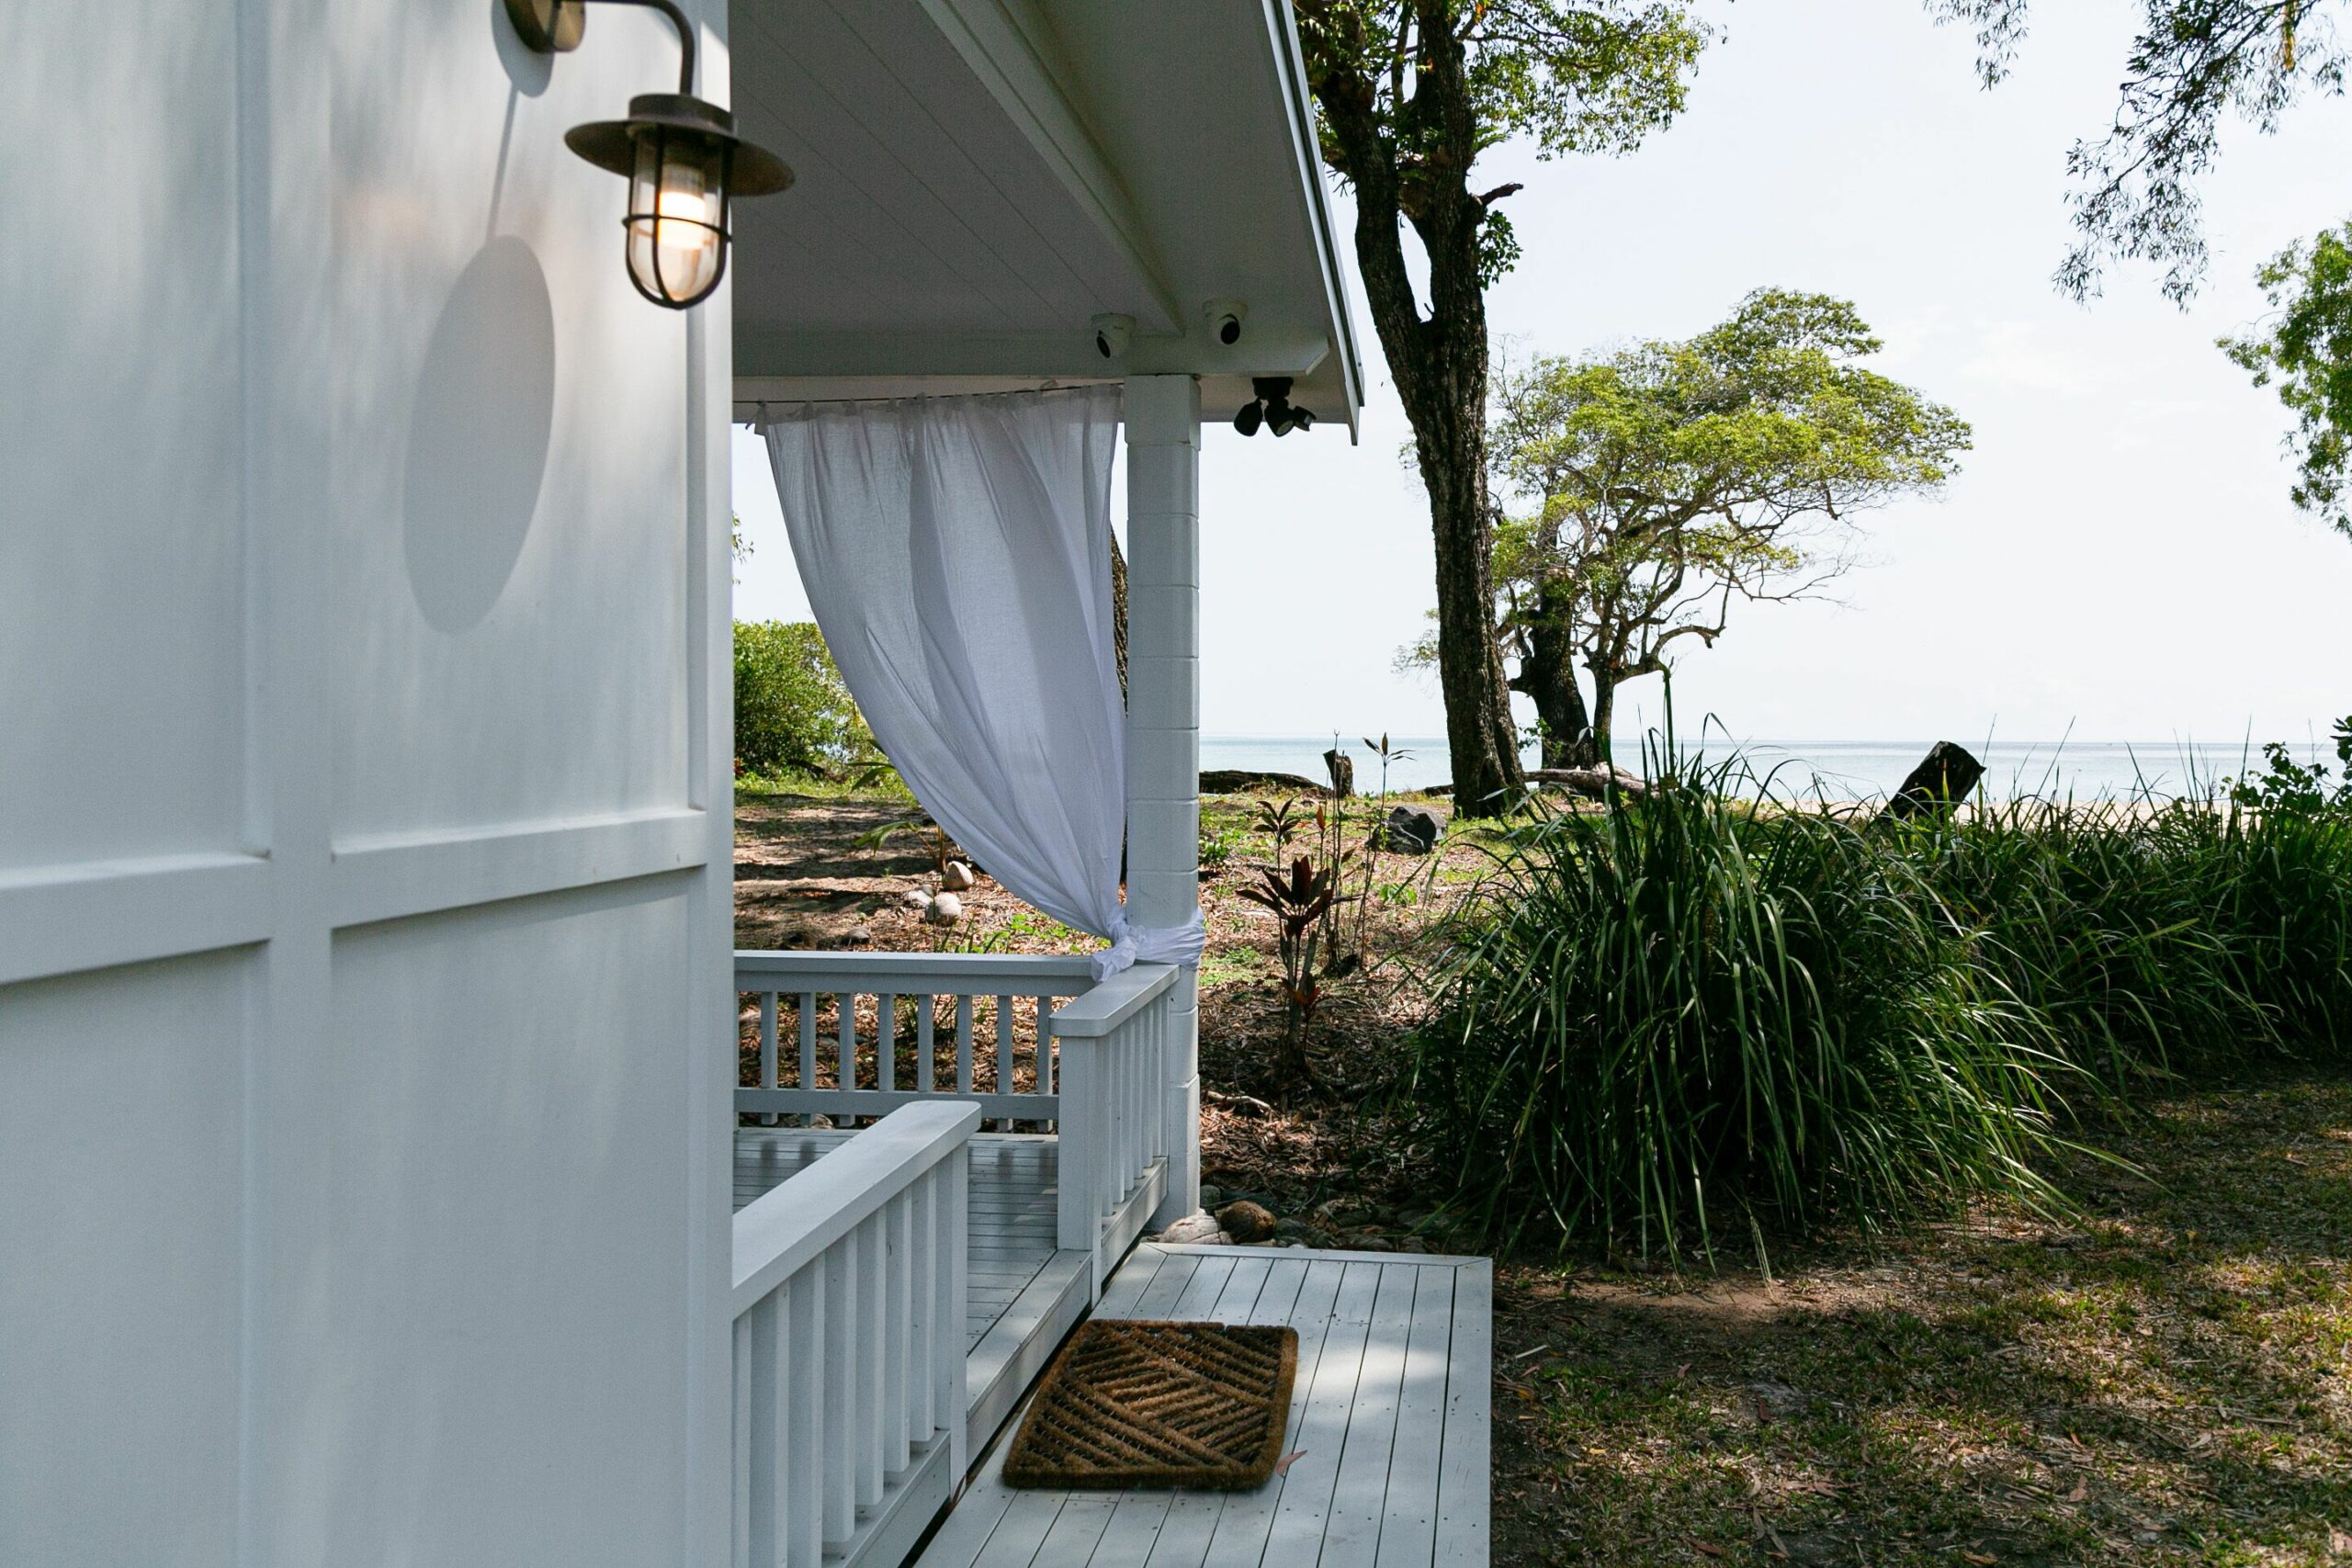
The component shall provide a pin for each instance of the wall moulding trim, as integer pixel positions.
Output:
(98, 914)
(393, 877)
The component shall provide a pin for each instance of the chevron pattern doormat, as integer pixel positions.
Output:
(1191, 1404)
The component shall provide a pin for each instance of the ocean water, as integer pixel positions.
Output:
(1831, 770)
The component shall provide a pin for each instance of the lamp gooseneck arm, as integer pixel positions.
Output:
(685, 38)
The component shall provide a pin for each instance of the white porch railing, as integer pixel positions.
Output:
(869, 1027)
(1035, 1042)
(848, 1303)
(1115, 1120)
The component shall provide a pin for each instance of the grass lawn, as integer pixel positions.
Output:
(2167, 1379)
(2170, 1379)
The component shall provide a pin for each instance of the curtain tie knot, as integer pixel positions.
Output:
(1131, 945)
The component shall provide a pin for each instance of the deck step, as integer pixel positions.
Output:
(1390, 1408)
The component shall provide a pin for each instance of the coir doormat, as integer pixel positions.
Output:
(1194, 1405)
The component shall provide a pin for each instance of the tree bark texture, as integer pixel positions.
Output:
(1604, 710)
(1547, 677)
(1119, 610)
(1438, 362)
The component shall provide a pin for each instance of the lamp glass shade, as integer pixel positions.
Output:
(677, 215)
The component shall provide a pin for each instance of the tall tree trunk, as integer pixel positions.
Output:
(1119, 610)
(1439, 361)
(1547, 676)
(1481, 738)
(1604, 709)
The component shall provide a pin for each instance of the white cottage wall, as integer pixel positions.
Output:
(364, 814)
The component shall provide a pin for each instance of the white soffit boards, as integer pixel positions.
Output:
(979, 178)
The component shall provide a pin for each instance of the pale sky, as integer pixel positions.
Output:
(2117, 556)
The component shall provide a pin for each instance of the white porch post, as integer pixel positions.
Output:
(1163, 424)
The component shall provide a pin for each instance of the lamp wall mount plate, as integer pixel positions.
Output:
(552, 27)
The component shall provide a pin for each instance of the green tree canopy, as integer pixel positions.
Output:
(793, 714)
(2193, 66)
(1668, 479)
(2305, 348)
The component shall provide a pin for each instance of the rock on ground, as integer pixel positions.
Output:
(944, 911)
(956, 878)
(1410, 830)
(1195, 1229)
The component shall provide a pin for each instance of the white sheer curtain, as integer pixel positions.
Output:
(956, 552)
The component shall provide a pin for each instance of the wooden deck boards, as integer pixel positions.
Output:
(1389, 1410)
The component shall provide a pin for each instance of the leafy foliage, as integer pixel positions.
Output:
(2193, 66)
(1668, 479)
(2296, 788)
(1298, 900)
(792, 713)
(2306, 348)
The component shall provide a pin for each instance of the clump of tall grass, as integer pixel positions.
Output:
(2164, 935)
(1697, 1005)
(1694, 1012)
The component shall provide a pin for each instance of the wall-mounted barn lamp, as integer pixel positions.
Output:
(683, 160)
(1272, 407)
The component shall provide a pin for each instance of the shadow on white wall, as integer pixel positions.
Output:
(478, 435)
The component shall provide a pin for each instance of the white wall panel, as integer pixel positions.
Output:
(363, 841)
(501, 1275)
(121, 1192)
(509, 440)
(122, 650)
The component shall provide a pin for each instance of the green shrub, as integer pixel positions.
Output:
(1689, 1011)
(792, 713)
(1689, 1005)
(2164, 936)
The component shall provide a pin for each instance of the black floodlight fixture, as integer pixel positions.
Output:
(1272, 407)
(684, 163)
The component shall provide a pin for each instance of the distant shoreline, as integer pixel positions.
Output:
(1831, 770)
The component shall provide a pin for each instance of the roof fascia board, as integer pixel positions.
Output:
(1006, 46)
(1283, 35)
(759, 355)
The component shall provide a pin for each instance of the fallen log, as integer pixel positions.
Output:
(1592, 783)
(1240, 781)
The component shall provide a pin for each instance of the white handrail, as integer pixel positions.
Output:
(850, 1303)
(1114, 1001)
(976, 971)
(778, 1233)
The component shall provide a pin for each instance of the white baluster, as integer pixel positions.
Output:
(845, 1040)
(897, 1316)
(745, 1460)
(963, 1044)
(767, 1049)
(923, 1005)
(803, 1451)
(1005, 1038)
(838, 1455)
(872, 1301)
(807, 1044)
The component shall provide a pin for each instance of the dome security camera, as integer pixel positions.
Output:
(1225, 318)
(1112, 335)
